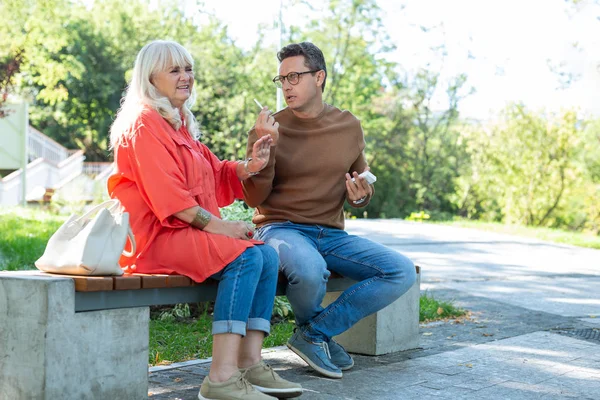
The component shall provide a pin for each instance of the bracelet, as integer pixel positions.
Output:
(246, 170)
(360, 201)
(201, 219)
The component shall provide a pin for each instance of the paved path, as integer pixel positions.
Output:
(534, 331)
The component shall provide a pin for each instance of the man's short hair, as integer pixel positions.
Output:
(313, 57)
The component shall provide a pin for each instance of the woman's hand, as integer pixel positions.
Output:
(358, 190)
(234, 229)
(266, 125)
(260, 154)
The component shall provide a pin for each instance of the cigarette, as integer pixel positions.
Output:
(258, 104)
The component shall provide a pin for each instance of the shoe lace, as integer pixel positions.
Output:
(267, 367)
(243, 383)
(326, 348)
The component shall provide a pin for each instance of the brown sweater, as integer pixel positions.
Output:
(304, 181)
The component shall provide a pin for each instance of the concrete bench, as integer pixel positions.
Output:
(75, 337)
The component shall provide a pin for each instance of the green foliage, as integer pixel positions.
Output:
(524, 169)
(237, 211)
(416, 152)
(179, 311)
(431, 309)
(100, 44)
(227, 79)
(418, 216)
(282, 309)
(25, 232)
(36, 32)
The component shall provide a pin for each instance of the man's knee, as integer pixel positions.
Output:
(309, 276)
(399, 269)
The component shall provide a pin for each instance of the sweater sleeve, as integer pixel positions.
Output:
(359, 166)
(258, 187)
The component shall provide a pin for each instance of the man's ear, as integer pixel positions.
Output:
(320, 78)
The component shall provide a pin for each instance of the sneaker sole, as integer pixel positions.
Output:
(280, 393)
(347, 367)
(200, 397)
(314, 366)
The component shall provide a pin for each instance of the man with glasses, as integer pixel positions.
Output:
(299, 197)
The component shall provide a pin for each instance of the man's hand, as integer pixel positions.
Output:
(266, 125)
(358, 190)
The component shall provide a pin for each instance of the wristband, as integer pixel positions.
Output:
(246, 168)
(201, 219)
(360, 201)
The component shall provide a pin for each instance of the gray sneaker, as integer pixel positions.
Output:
(339, 356)
(316, 354)
(235, 388)
(266, 380)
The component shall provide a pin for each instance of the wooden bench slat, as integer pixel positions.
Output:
(91, 283)
(178, 281)
(153, 281)
(127, 282)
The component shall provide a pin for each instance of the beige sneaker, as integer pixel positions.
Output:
(235, 388)
(263, 378)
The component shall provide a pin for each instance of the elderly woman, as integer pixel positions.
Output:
(172, 186)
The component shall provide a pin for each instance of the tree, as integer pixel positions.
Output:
(419, 154)
(227, 79)
(101, 44)
(523, 167)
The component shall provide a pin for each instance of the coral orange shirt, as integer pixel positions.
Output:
(159, 172)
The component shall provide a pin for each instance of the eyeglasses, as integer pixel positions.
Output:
(293, 78)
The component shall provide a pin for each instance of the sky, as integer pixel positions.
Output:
(507, 48)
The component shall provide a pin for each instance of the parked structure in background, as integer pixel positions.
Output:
(49, 166)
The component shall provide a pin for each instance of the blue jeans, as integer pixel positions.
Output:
(246, 292)
(307, 254)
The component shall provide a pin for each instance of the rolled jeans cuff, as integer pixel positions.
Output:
(238, 327)
(259, 324)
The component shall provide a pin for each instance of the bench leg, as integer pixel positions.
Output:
(47, 351)
(395, 328)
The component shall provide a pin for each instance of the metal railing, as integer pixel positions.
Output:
(41, 174)
(41, 146)
(96, 168)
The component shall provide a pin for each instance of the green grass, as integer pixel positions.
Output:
(189, 339)
(548, 234)
(176, 341)
(24, 233)
(431, 309)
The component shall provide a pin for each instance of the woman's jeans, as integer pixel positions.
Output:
(246, 292)
(307, 254)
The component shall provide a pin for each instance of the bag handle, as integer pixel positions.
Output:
(109, 204)
(132, 241)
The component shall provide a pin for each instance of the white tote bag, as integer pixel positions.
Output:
(90, 244)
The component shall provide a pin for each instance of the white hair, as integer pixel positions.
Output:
(156, 56)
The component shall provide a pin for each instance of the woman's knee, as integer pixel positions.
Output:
(253, 261)
(270, 259)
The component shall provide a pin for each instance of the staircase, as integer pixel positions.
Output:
(50, 168)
